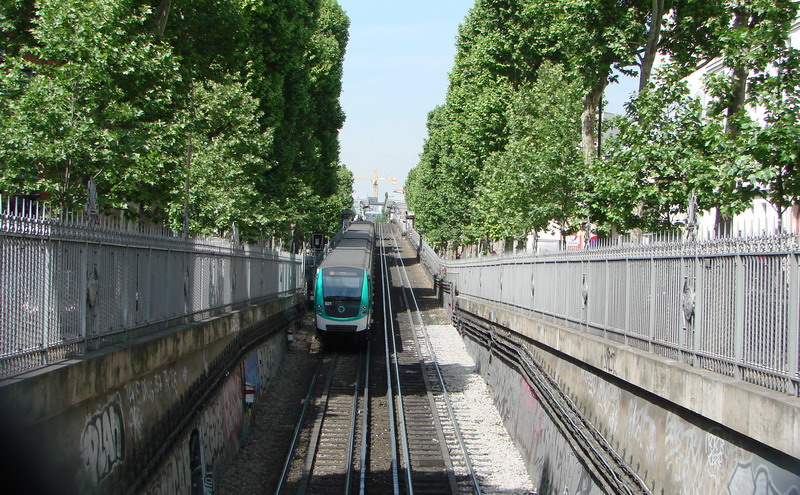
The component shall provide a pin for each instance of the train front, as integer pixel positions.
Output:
(342, 299)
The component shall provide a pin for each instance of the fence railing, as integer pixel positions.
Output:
(72, 283)
(730, 305)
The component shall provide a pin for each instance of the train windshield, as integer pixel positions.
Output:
(342, 284)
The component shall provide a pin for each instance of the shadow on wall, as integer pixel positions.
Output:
(24, 463)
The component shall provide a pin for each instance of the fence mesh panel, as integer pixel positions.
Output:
(70, 283)
(728, 305)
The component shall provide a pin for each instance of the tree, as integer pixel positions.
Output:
(16, 18)
(755, 42)
(471, 125)
(589, 37)
(228, 150)
(239, 98)
(434, 188)
(666, 152)
(325, 60)
(92, 98)
(774, 141)
(539, 177)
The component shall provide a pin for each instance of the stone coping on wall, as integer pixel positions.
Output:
(45, 392)
(767, 416)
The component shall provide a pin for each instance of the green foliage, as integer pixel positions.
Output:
(15, 24)
(502, 155)
(774, 144)
(470, 127)
(665, 151)
(95, 103)
(239, 97)
(228, 150)
(539, 177)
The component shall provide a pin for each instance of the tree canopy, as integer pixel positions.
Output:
(514, 148)
(228, 106)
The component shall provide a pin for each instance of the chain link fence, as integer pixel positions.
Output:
(69, 284)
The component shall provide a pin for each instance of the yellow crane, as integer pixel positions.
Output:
(374, 179)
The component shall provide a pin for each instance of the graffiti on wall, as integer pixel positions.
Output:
(175, 476)
(670, 452)
(150, 390)
(642, 433)
(269, 358)
(559, 470)
(710, 459)
(677, 453)
(252, 375)
(219, 429)
(189, 469)
(222, 422)
(103, 440)
(606, 396)
(261, 365)
(756, 478)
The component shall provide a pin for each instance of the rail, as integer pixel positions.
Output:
(429, 352)
(392, 367)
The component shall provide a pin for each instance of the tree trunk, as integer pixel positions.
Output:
(589, 119)
(637, 234)
(653, 39)
(740, 74)
(723, 222)
(162, 14)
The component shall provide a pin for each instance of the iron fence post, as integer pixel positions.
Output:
(83, 278)
(698, 306)
(793, 326)
(651, 326)
(607, 297)
(628, 299)
(738, 309)
(683, 307)
(46, 304)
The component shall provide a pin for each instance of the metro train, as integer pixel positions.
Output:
(343, 290)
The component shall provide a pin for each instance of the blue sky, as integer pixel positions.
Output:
(395, 71)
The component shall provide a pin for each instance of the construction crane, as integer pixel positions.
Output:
(374, 179)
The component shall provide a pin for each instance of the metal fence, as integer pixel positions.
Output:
(73, 283)
(730, 305)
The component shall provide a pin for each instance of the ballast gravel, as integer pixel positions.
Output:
(493, 454)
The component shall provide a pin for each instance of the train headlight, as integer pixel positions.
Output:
(363, 310)
(319, 309)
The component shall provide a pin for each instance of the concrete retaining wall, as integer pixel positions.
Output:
(683, 430)
(213, 440)
(94, 423)
(551, 462)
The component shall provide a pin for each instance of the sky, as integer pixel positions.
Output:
(396, 68)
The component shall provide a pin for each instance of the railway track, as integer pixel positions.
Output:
(457, 441)
(379, 419)
(438, 459)
(332, 450)
(329, 427)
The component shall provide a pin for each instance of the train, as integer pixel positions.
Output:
(343, 289)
